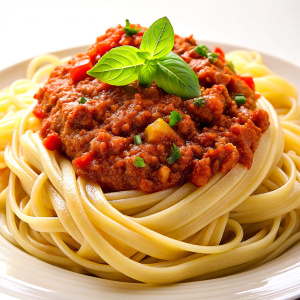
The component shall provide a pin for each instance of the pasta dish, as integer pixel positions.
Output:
(136, 183)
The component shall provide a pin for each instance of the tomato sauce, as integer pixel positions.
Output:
(98, 135)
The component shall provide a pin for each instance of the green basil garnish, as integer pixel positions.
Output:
(147, 74)
(154, 61)
(199, 101)
(175, 117)
(212, 56)
(82, 100)
(175, 154)
(230, 65)
(202, 50)
(130, 31)
(137, 139)
(240, 99)
(158, 40)
(176, 77)
(139, 162)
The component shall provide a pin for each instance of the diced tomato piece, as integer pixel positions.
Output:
(52, 141)
(249, 81)
(221, 54)
(126, 40)
(106, 42)
(78, 72)
(82, 161)
(39, 113)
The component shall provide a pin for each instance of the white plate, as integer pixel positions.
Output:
(25, 277)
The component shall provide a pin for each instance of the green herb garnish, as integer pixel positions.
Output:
(175, 154)
(230, 65)
(137, 139)
(82, 100)
(139, 162)
(175, 117)
(130, 31)
(240, 99)
(202, 50)
(154, 61)
(212, 57)
(199, 101)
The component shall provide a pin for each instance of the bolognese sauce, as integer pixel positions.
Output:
(96, 124)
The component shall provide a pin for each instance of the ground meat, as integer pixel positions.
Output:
(98, 136)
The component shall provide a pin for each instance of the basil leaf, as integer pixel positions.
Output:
(158, 39)
(144, 55)
(119, 66)
(147, 74)
(176, 77)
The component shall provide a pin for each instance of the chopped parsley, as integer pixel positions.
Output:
(175, 154)
(175, 117)
(82, 100)
(130, 31)
(139, 162)
(137, 139)
(240, 99)
(199, 101)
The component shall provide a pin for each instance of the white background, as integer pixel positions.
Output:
(32, 27)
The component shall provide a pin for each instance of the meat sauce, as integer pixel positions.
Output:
(98, 135)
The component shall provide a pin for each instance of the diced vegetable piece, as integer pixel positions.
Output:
(240, 99)
(78, 72)
(158, 130)
(221, 54)
(39, 113)
(164, 173)
(52, 141)
(82, 161)
(249, 81)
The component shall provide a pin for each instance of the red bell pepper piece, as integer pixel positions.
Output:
(52, 141)
(221, 54)
(78, 72)
(39, 113)
(82, 161)
(249, 81)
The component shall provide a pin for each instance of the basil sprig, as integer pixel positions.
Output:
(154, 61)
(128, 30)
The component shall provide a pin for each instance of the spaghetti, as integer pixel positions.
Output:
(237, 221)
